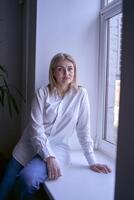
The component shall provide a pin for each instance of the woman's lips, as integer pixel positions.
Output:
(66, 78)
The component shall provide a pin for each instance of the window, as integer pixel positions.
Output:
(112, 78)
(109, 76)
(106, 2)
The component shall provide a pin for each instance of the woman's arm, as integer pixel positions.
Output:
(37, 132)
(38, 138)
(83, 132)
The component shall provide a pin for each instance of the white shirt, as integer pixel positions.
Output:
(53, 120)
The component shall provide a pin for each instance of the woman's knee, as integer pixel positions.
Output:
(27, 183)
(31, 176)
(30, 182)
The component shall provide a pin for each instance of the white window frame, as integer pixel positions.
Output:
(112, 9)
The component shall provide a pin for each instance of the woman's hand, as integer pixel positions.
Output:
(100, 168)
(53, 168)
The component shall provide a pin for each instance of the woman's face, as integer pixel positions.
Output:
(64, 73)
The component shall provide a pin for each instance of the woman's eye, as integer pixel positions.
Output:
(70, 68)
(59, 69)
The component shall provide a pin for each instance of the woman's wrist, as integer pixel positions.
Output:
(48, 158)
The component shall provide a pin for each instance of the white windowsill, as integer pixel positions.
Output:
(78, 182)
(108, 149)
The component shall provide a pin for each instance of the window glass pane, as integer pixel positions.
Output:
(113, 78)
(108, 1)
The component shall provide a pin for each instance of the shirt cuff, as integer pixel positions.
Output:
(46, 152)
(91, 159)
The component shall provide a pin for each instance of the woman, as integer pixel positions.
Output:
(58, 110)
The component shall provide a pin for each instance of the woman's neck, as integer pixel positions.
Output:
(63, 89)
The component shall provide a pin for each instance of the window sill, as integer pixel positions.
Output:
(78, 182)
(108, 149)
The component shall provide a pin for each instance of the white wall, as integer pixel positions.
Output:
(73, 27)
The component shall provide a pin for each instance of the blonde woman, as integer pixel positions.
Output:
(58, 110)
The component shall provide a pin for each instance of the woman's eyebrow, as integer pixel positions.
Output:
(59, 66)
(63, 66)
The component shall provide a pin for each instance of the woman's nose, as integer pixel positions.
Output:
(65, 71)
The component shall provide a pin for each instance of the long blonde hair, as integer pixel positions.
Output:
(53, 64)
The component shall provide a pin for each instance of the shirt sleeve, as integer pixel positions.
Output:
(83, 128)
(38, 138)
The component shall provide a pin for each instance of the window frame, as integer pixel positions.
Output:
(112, 9)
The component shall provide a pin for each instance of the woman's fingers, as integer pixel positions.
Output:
(54, 173)
(95, 168)
(53, 169)
(100, 168)
(107, 169)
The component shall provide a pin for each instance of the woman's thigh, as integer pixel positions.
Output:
(34, 173)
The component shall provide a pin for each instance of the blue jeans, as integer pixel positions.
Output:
(26, 180)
